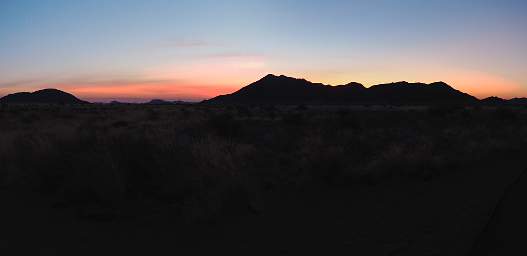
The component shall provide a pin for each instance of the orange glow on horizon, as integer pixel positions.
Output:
(150, 91)
(483, 85)
(176, 83)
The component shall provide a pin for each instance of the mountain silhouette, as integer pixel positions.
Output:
(46, 96)
(159, 102)
(493, 101)
(166, 102)
(518, 101)
(287, 90)
(496, 101)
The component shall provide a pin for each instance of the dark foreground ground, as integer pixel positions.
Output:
(262, 181)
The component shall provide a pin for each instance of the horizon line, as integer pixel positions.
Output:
(195, 99)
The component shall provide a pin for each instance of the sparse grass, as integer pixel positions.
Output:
(207, 161)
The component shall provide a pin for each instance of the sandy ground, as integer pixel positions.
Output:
(444, 216)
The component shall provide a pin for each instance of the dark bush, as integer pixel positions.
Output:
(152, 114)
(443, 111)
(294, 119)
(244, 111)
(216, 161)
(225, 125)
(301, 108)
(504, 114)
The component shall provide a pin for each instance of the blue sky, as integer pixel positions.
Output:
(136, 50)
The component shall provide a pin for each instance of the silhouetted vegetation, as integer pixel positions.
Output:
(206, 161)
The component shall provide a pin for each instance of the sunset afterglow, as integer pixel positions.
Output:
(194, 50)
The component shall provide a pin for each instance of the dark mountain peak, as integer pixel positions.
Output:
(354, 85)
(494, 98)
(44, 96)
(281, 78)
(518, 101)
(49, 90)
(285, 90)
(273, 77)
(273, 82)
(494, 101)
(159, 102)
(440, 84)
(268, 77)
(497, 101)
(392, 84)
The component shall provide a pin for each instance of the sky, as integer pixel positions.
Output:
(131, 50)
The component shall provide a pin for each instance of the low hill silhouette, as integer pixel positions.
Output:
(497, 101)
(166, 102)
(159, 102)
(287, 90)
(518, 101)
(493, 101)
(45, 96)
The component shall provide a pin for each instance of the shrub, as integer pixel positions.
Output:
(503, 114)
(225, 125)
(213, 162)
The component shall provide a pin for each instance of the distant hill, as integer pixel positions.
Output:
(493, 101)
(289, 91)
(159, 102)
(165, 102)
(46, 96)
(518, 101)
(496, 101)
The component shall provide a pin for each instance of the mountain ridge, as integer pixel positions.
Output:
(44, 96)
(273, 89)
(284, 90)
